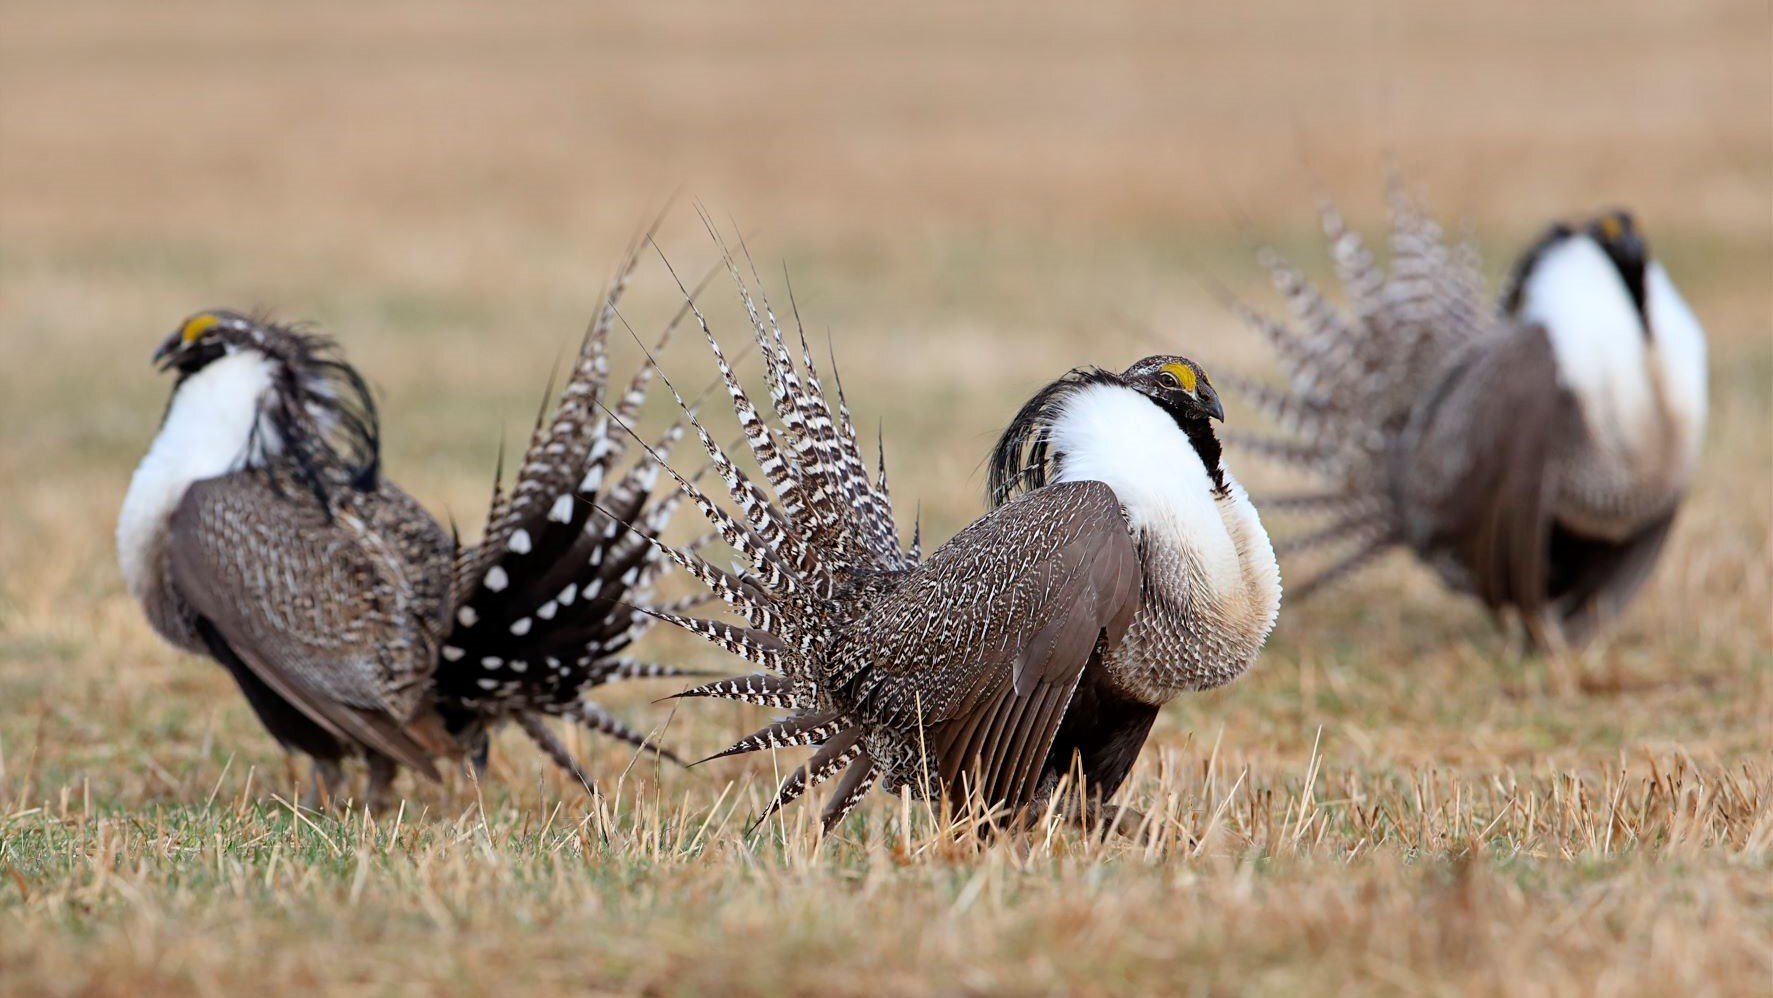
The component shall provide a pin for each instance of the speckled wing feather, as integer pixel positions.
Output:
(422, 549)
(1477, 475)
(983, 643)
(321, 610)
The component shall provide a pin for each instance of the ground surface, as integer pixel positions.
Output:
(1394, 798)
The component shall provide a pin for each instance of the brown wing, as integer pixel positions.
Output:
(319, 611)
(984, 643)
(1480, 479)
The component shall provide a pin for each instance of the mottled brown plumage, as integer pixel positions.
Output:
(261, 572)
(260, 531)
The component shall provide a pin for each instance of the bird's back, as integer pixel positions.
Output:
(350, 600)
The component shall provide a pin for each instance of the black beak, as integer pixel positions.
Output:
(1209, 403)
(167, 352)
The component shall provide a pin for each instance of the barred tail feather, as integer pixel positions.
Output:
(857, 780)
(555, 749)
(759, 689)
(751, 644)
(868, 511)
(632, 668)
(838, 751)
(770, 525)
(542, 603)
(1365, 519)
(1345, 566)
(594, 718)
(1362, 279)
(813, 520)
(775, 574)
(802, 729)
(1296, 454)
(1353, 380)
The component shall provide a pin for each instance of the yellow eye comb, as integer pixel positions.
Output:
(197, 325)
(1183, 373)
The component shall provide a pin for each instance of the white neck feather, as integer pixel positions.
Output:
(1116, 435)
(208, 431)
(1679, 342)
(1641, 395)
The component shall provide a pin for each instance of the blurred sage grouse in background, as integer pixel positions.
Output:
(260, 531)
(1122, 566)
(1533, 453)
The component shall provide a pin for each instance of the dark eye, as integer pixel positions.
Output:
(1168, 380)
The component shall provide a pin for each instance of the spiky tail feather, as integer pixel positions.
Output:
(1353, 379)
(807, 530)
(550, 598)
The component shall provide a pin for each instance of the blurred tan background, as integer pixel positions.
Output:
(341, 121)
(445, 185)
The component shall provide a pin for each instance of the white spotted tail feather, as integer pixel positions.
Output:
(552, 597)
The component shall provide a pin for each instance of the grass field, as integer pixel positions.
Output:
(1394, 799)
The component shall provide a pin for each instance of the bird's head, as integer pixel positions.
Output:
(1603, 257)
(212, 334)
(1025, 457)
(1176, 384)
(305, 402)
(1612, 314)
(1597, 278)
(1618, 236)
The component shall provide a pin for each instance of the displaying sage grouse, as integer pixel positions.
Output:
(1122, 567)
(260, 531)
(1533, 453)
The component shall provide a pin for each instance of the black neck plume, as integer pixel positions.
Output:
(324, 417)
(1199, 430)
(1206, 444)
(1022, 460)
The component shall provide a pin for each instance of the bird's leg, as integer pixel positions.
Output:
(329, 778)
(379, 794)
(481, 755)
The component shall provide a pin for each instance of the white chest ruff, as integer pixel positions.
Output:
(1208, 553)
(1642, 393)
(208, 431)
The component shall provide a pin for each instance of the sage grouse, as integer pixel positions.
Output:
(1123, 566)
(259, 530)
(1534, 454)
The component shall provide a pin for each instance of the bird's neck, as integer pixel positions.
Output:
(1636, 367)
(1212, 584)
(212, 427)
(1156, 467)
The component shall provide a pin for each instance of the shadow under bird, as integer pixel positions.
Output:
(1533, 452)
(1122, 566)
(260, 531)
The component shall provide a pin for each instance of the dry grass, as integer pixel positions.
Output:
(1393, 800)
